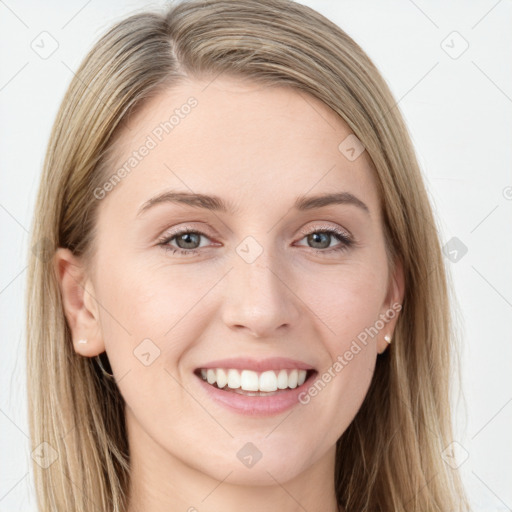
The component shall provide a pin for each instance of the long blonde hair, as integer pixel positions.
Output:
(390, 457)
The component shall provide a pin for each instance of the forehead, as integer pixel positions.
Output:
(254, 145)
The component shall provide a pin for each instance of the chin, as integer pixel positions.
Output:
(251, 467)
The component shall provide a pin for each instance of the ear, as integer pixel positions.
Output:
(392, 306)
(80, 305)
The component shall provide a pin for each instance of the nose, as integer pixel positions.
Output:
(259, 298)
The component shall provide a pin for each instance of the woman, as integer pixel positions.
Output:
(243, 303)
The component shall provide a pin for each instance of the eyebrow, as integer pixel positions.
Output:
(215, 203)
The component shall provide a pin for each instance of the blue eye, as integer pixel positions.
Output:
(317, 236)
(185, 236)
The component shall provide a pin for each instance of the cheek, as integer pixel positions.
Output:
(138, 311)
(346, 303)
(148, 322)
(148, 302)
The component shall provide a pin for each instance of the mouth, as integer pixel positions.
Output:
(252, 383)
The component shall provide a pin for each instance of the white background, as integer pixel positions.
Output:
(458, 111)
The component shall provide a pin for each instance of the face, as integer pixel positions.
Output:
(260, 275)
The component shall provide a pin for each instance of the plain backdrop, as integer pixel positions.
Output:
(449, 67)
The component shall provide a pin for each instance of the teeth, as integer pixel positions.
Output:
(222, 378)
(293, 378)
(282, 379)
(233, 379)
(268, 381)
(249, 380)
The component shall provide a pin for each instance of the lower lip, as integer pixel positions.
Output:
(257, 405)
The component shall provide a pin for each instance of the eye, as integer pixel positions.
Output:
(186, 239)
(321, 238)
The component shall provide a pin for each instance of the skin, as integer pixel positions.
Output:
(259, 148)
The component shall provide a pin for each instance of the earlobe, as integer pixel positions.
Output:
(79, 303)
(392, 307)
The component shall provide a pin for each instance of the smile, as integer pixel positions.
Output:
(255, 387)
(252, 383)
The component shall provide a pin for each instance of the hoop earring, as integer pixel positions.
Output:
(102, 368)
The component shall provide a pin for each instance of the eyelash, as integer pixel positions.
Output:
(346, 241)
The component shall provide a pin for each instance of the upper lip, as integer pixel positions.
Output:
(246, 363)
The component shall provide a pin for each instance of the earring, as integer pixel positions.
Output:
(388, 338)
(100, 364)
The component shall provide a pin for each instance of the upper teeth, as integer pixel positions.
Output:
(252, 381)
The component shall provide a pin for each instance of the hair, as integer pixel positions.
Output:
(390, 456)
